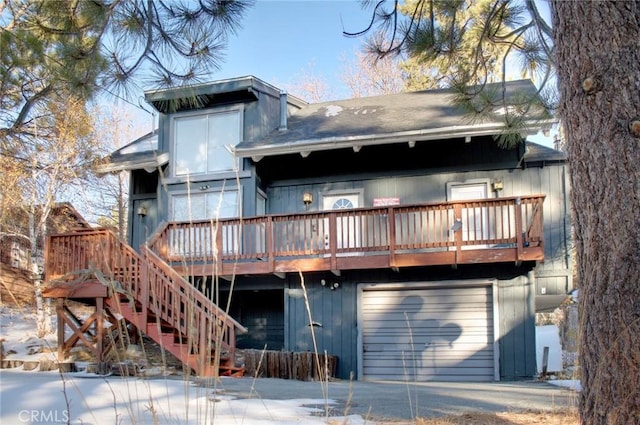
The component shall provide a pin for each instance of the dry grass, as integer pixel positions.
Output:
(569, 417)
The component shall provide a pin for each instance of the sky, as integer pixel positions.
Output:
(281, 41)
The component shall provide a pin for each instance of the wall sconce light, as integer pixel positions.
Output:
(142, 211)
(497, 185)
(307, 198)
(333, 286)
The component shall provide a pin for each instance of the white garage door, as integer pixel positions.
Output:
(438, 333)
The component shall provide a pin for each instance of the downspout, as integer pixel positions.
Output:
(283, 111)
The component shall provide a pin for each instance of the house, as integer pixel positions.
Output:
(16, 281)
(391, 229)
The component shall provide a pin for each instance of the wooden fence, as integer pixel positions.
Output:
(301, 366)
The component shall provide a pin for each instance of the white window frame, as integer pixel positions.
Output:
(219, 191)
(239, 109)
(482, 219)
(229, 246)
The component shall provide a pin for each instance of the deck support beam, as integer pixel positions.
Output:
(90, 332)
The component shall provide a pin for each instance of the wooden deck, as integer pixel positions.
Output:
(465, 232)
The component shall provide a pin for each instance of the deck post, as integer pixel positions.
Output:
(60, 314)
(100, 331)
(269, 244)
(333, 240)
(143, 281)
(391, 227)
(519, 230)
(456, 228)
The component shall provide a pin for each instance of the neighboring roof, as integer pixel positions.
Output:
(233, 90)
(68, 211)
(402, 117)
(142, 153)
(535, 152)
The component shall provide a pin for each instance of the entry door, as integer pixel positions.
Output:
(347, 228)
(475, 223)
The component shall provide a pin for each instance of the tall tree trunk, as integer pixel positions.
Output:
(43, 306)
(597, 53)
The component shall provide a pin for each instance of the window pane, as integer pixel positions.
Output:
(190, 145)
(222, 205)
(224, 132)
(189, 207)
(202, 206)
(198, 240)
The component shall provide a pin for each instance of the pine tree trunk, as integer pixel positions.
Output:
(598, 66)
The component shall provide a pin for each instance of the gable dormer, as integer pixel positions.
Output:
(201, 125)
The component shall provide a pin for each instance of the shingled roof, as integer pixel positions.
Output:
(402, 117)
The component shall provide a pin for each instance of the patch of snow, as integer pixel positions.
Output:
(42, 397)
(549, 336)
(333, 110)
(18, 330)
(572, 384)
(574, 295)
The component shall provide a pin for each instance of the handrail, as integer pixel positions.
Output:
(180, 287)
(148, 279)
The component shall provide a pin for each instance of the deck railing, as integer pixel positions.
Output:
(487, 224)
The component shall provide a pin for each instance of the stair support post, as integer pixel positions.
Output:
(60, 313)
(100, 331)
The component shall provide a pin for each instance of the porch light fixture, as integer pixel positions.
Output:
(307, 199)
(142, 211)
(497, 185)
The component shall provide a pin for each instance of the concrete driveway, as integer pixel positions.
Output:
(399, 400)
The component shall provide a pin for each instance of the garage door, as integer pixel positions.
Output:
(439, 333)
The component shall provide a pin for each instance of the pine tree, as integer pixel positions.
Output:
(89, 47)
(57, 55)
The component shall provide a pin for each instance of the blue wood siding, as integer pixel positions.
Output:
(554, 273)
(336, 312)
(517, 328)
(332, 311)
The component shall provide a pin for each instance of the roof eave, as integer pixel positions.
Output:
(305, 147)
(134, 164)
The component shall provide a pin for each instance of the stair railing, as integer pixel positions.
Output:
(150, 281)
(178, 303)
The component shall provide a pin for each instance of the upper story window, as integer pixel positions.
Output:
(203, 206)
(202, 143)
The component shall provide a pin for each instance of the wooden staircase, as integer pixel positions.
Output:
(146, 292)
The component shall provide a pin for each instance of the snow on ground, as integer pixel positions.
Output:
(549, 336)
(49, 398)
(20, 342)
(573, 384)
(34, 397)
